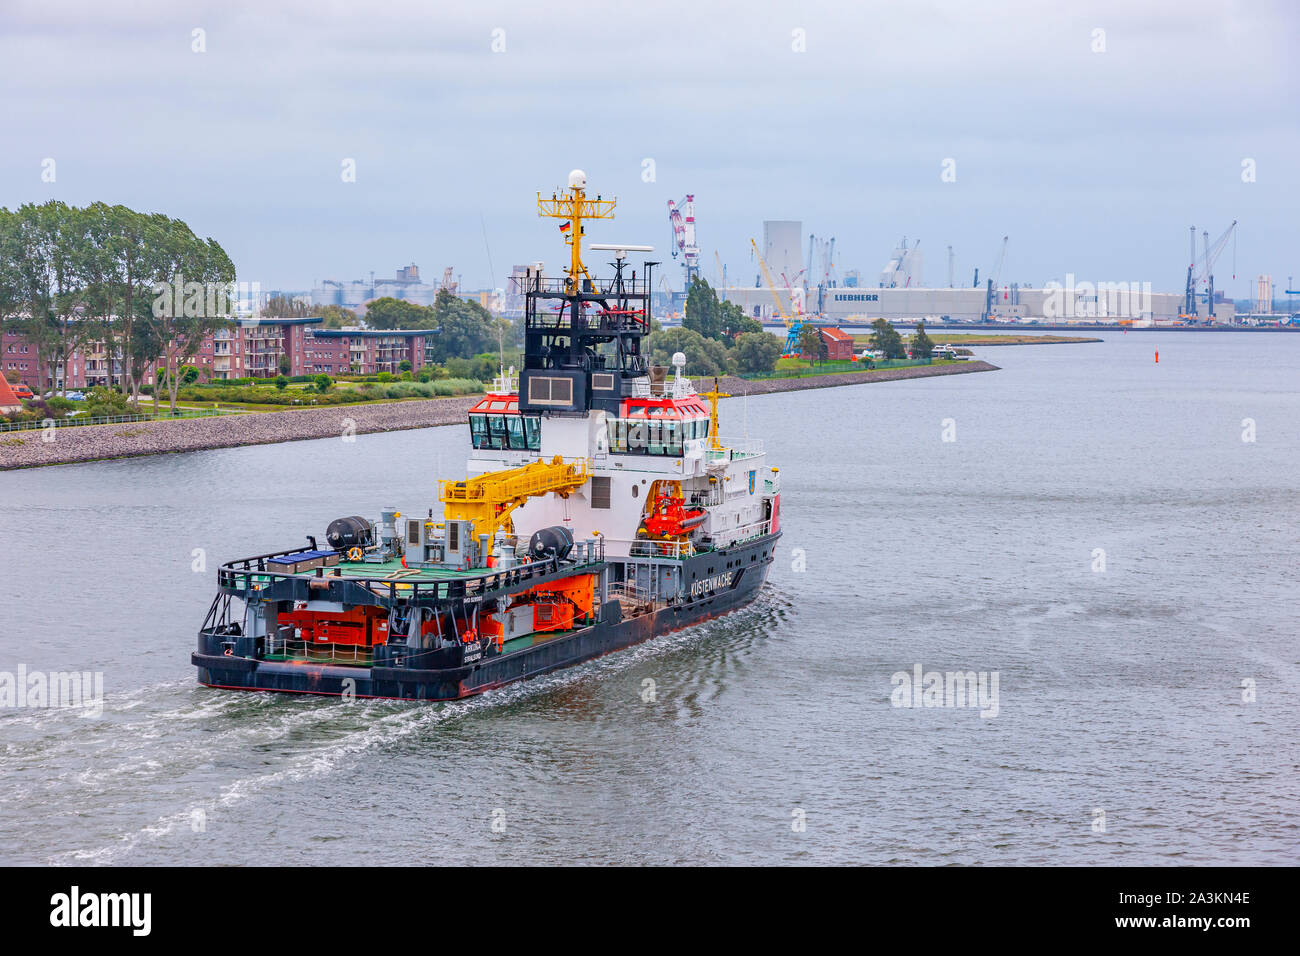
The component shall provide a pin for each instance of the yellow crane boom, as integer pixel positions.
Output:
(771, 286)
(488, 500)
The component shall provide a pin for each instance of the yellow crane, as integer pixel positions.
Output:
(488, 500)
(792, 323)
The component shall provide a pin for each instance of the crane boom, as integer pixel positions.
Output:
(792, 323)
(488, 500)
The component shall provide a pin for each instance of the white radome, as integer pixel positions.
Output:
(679, 360)
(578, 178)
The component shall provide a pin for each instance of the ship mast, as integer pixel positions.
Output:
(574, 208)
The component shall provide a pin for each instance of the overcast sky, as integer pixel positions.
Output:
(1092, 162)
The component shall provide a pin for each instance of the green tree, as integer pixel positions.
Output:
(756, 352)
(702, 312)
(922, 344)
(811, 344)
(735, 322)
(465, 329)
(390, 313)
(323, 382)
(281, 382)
(703, 356)
(885, 339)
(335, 316)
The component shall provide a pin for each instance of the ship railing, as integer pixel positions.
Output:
(555, 285)
(251, 575)
(649, 548)
(319, 652)
(729, 536)
(627, 593)
(735, 448)
(672, 388)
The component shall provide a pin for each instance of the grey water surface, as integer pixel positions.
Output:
(1158, 696)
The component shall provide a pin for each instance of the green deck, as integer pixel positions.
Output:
(393, 571)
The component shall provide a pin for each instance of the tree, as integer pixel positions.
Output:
(281, 382)
(886, 340)
(702, 312)
(203, 271)
(735, 322)
(323, 382)
(465, 329)
(283, 307)
(922, 344)
(703, 356)
(390, 313)
(336, 317)
(756, 352)
(811, 344)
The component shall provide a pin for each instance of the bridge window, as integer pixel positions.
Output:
(506, 432)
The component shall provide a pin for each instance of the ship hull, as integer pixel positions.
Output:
(613, 633)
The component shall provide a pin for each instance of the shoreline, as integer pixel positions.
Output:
(26, 449)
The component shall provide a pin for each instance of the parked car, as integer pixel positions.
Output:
(22, 391)
(77, 396)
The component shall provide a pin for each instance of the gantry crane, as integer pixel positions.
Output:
(1206, 273)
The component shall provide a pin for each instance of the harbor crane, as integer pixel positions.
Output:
(1206, 272)
(793, 323)
(681, 216)
(993, 283)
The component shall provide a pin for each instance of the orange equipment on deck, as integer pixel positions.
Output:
(358, 626)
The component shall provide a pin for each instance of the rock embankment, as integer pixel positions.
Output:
(27, 449)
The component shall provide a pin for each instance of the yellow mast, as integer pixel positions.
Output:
(575, 207)
(713, 397)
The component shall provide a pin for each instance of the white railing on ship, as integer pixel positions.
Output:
(671, 388)
(736, 448)
(728, 536)
(647, 548)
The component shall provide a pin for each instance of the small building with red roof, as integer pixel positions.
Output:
(839, 345)
(9, 402)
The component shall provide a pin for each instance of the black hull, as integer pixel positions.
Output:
(612, 634)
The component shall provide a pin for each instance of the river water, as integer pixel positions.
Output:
(1096, 537)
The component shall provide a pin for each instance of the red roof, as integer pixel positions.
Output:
(837, 335)
(7, 396)
(497, 405)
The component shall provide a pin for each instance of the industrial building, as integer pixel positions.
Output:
(901, 297)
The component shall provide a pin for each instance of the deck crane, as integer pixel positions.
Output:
(793, 323)
(681, 216)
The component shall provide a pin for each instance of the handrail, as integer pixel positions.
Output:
(239, 575)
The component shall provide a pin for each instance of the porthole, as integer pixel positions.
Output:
(636, 490)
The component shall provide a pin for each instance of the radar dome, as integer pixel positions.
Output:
(679, 360)
(578, 178)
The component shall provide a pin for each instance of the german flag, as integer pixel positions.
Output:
(565, 226)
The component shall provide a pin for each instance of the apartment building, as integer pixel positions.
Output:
(248, 348)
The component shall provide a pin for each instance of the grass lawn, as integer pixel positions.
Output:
(976, 338)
